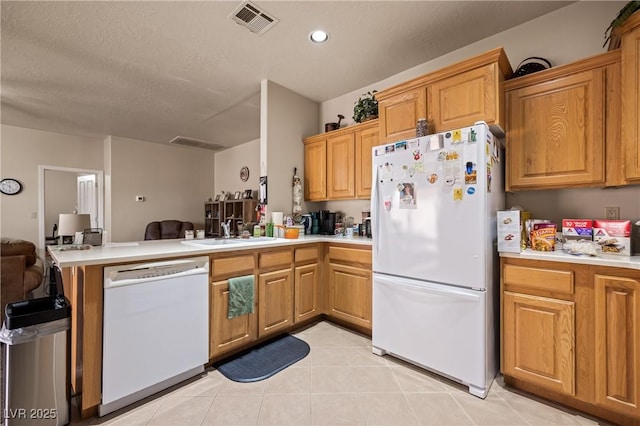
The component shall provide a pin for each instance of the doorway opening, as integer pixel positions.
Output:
(65, 190)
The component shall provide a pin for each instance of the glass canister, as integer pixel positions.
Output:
(422, 128)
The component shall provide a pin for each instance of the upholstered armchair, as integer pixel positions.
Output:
(21, 271)
(166, 229)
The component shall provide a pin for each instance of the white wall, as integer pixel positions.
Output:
(285, 119)
(566, 35)
(228, 164)
(175, 181)
(21, 152)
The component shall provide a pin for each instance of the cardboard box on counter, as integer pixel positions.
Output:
(509, 231)
(577, 229)
(613, 236)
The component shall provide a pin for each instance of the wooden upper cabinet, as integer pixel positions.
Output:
(465, 98)
(340, 166)
(366, 139)
(631, 96)
(555, 133)
(315, 169)
(617, 333)
(399, 113)
(452, 97)
(563, 126)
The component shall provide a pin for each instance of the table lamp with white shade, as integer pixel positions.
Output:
(70, 223)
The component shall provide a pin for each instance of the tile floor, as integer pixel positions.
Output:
(339, 383)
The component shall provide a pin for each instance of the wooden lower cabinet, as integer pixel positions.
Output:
(228, 334)
(306, 282)
(571, 333)
(350, 294)
(275, 305)
(539, 341)
(617, 326)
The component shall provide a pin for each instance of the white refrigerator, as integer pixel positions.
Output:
(435, 264)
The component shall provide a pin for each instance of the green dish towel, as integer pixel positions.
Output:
(241, 295)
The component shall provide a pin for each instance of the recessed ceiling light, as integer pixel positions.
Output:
(318, 36)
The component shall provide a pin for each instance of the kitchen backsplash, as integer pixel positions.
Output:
(580, 202)
(549, 204)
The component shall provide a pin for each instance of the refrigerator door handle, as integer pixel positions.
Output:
(435, 289)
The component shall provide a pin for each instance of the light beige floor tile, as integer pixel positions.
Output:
(285, 409)
(317, 340)
(438, 409)
(207, 385)
(375, 379)
(386, 409)
(130, 416)
(534, 412)
(333, 379)
(411, 379)
(229, 387)
(182, 411)
(351, 339)
(323, 327)
(332, 409)
(304, 362)
(234, 410)
(358, 356)
(290, 380)
(492, 411)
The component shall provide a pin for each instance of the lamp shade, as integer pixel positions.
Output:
(69, 223)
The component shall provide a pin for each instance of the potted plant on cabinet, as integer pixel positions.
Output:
(366, 107)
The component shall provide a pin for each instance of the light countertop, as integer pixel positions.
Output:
(159, 249)
(631, 262)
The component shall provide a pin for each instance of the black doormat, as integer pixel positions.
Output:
(265, 360)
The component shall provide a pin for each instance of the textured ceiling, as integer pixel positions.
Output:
(158, 69)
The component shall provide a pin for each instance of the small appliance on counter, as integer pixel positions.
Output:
(327, 221)
(367, 227)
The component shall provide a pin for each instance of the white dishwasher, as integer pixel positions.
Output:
(155, 328)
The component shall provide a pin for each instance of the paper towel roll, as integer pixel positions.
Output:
(277, 217)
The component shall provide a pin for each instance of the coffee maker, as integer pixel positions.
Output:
(327, 222)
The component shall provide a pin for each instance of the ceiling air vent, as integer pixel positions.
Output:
(251, 16)
(195, 143)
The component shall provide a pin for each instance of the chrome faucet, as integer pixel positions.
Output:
(225, 228)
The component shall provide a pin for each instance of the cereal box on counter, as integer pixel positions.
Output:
(577, 229)
(613, 236)
(543, 236)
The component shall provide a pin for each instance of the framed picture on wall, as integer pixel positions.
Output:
(236, 196)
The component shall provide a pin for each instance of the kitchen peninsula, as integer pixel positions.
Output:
(569, 330)
(297, 281)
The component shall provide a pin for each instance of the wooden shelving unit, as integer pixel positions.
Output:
(212, 214)
(239, 211)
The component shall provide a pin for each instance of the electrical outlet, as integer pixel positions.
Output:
(612, 213)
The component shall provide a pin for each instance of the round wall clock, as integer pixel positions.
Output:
(10, 186)
(244, 174)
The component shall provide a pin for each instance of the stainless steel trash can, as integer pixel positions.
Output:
(36, 376)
